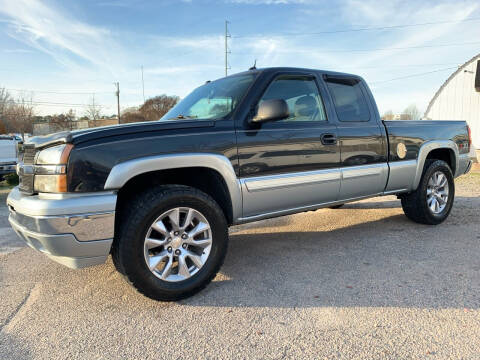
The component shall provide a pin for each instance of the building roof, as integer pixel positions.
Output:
(460, 69)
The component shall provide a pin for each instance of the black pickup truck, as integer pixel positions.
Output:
(159, 196)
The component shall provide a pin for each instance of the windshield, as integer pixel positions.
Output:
(214, 100)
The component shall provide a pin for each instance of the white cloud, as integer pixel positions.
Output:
(57, 33)
(95, 56)
(17, 51)
(268, 2)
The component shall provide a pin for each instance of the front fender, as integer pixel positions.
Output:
(123, 172)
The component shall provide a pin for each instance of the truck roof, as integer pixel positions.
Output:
(279, 69)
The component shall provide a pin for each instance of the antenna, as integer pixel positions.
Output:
(254, 67)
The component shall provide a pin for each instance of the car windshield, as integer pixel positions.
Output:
(214, 100)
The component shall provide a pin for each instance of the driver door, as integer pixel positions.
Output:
(291, 163)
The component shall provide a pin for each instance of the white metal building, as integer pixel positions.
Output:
(459, 98)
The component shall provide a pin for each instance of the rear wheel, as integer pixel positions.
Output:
(172, 242)
(432, 202)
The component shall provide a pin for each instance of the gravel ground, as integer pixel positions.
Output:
(361, 282)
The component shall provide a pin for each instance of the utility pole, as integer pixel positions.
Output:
(94, 114)
(143, 86)
(117, 93)
(227, 35)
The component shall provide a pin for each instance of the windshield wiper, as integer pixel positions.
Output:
(180, 116)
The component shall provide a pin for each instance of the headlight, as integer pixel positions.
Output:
(53, 155)
(51, 169)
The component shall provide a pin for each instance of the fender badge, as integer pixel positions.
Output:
(401, 150)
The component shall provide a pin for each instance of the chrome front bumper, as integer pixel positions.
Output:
(74, 230)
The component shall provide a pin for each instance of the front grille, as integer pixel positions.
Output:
(26, 180)
(26, 183)
(28, 154)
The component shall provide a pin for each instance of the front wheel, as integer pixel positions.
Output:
(171, 243)
(432, 202)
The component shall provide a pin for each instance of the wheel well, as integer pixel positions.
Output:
(205, 179)
(444, 154)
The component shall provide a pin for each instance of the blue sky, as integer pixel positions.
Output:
(85, 46)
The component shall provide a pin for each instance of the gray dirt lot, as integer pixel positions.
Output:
(360, 282)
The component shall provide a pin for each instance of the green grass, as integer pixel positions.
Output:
(5, 186)
(9, 181)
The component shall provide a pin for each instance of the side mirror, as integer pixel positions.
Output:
(271, 110)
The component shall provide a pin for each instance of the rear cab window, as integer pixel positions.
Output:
(349, 99)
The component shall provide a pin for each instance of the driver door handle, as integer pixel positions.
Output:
(328, 139)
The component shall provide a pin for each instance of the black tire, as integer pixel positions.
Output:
(336, 206)
(128, 246)
(415, 205)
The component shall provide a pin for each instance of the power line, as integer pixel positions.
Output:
(59, 92)
(391, 27)
(46, 103)
(386, 49)
(50, 103)
(404, 66)
(413, 75)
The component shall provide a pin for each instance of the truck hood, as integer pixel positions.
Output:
(79, 136)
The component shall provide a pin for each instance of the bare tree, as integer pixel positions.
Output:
(93, 111)
(5, 104)
(154, 108)
(62, 122)
(20, 116)
(3, 129)
(132, 116)
(411, 113)
(388, 115)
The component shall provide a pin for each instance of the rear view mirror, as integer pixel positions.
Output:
(271, 110)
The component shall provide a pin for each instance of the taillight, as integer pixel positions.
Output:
(469, 136)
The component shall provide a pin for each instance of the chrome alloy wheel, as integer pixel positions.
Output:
(178, 244)
(437, 192)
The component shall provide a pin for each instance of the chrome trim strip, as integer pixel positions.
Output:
(125, 171)
(271, 182)
(363, 170)
(393, 192)
(363, 180)
(300, 209)
(291, 179)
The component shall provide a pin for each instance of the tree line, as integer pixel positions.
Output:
(410, 113)
(17, 115)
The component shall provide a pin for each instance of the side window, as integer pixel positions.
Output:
(302, 97)
(350, 102)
